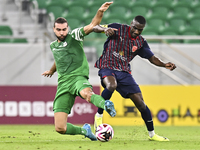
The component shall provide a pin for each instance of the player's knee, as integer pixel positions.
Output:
(61, 130)
(111, 87)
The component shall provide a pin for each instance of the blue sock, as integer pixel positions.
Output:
(106, 94)
(146, 116)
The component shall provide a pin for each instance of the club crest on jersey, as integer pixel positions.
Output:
(64, 44)
(134, 48)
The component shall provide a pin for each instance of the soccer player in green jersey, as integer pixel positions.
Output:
(73, 73)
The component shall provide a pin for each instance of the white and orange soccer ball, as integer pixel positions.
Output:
(104, 132)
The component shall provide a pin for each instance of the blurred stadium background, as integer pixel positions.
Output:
(172, 30)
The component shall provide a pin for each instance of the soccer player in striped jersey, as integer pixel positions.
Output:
(124, 42)
(73, 73)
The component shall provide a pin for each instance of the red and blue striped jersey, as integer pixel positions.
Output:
(121, 48)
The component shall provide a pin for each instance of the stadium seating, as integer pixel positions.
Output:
(56, 10)
(160, 14)
(76, 12)
(82, 3)
(180, 12)
(170, 31)
(156, 23)
(5, 30)
(149, 30)
(141, 3)
(74, 23)
(195, 25)
(41, 4)
(160, 3)
(177, 24)
(118, 13)
(183, 3)
(13, 40)
(137, 11)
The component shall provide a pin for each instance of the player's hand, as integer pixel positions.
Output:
(48, 73)
(110, 31)
(170, 66)
(105, 6)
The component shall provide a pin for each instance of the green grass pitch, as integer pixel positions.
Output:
(44, 137)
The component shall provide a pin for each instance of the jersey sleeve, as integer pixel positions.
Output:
(114, 25)
(145, 51)
(78, 34)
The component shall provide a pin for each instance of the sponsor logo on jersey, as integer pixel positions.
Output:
(134, 48)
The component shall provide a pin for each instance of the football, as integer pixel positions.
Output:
(104, 132)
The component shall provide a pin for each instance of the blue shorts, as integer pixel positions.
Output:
(125, 82)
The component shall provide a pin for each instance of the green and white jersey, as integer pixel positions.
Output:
(69, 55)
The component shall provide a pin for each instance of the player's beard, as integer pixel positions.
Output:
(134, 35)
(61, 38)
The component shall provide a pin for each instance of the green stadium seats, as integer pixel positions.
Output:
(196, 10)
(125, 3)
(149, 30)
(42, 4)
(159, 12)
(56, 10)
(177, 23)
(117, 12)
(76, 12)
(140, 11)
(156, 23)
(93, 9)
(13, 40)
(169, 31)
(137, 11)
(5, 30)
(180, 12)
(190, 31)
(83, 3)
(183, 3)
(176, 14)
(74, 23)
(195, 24)
(61, 3)
(162, 3)
(140, 3)
(97, 3)
(195, 4)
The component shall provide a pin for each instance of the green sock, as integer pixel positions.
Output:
(73, 130)
(98, 101)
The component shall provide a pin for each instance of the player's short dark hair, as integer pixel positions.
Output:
(60, 20)
(140, 19)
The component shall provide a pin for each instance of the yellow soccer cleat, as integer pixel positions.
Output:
(158, 138)
(97, 122)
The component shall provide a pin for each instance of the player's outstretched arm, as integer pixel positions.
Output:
(97, 18)
(106, 30)
(156, 61)
(50, 72)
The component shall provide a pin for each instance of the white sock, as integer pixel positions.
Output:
(151, 133)
(99, 115)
